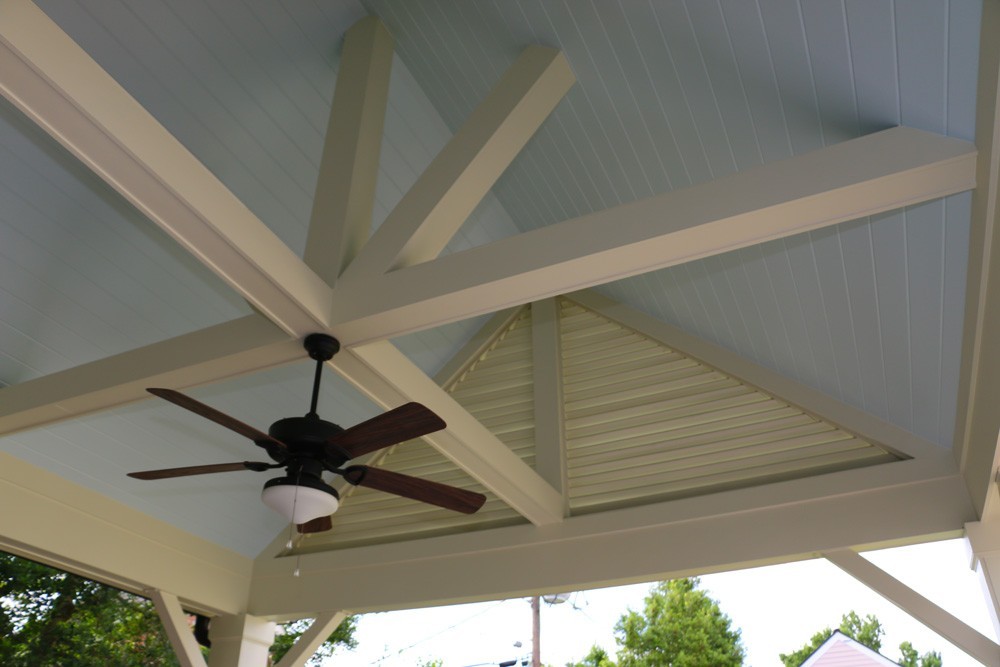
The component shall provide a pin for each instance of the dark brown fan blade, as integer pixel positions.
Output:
(190, 470)
(211, 413)
(426, 491)
(406, 422)
(319, 525)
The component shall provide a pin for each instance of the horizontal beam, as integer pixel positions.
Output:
(864, 176)
(450, 188)
(389, 378)
(233, 348)
(968, 639)
(61, 89)
(886, 504)
(821, 405)
(81, 531)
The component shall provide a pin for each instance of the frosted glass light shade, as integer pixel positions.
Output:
(299, 503)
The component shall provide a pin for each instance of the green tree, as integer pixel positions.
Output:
(597, 657)
(290, 632)
(49, 617)
(680, 626)
(867, 631)
(910, 657)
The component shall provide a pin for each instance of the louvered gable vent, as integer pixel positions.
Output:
(642, 423)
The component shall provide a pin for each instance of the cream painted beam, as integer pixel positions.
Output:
(983, 542)
(245, 345)
(968, 639)
(388, 378)
(978, 423)
(309, 641)
(451, 187)
(878, 172)
(175, 623)
(550, 418)
(62, 90)
(345, 191)
(883, 505)
(85, 532)
(815, 402)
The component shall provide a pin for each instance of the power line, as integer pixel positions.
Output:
(440, 632)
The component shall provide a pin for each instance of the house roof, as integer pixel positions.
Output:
(686, 282)
(840, 649)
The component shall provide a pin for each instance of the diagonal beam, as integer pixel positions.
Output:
(233, 348)
(978, 422)
(451, 187)
(878, 172)
(309, 641)
(60, 88)
(388, 378)
(168, 607)
(345, 190)
(823, 406)
(970, 640)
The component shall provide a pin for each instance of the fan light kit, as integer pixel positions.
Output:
(308, 446)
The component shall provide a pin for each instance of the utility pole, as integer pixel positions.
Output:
(536, 631)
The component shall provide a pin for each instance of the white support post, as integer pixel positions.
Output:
(310, 640)
(550, 437)
(983, 541)
(960, 634)
(345, 190)
(175, 623)
(240, 641)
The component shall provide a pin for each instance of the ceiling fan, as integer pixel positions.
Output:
(307, 446)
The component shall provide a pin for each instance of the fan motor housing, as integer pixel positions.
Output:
(303, 435)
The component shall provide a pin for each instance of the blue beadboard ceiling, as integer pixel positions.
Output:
(669, 94)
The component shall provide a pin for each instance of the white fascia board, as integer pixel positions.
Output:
(887, 504)
(85, 532)
(61, 89)
(245, 345)
(389, 378)
(816, 403)
(856, 178)
(978, 421)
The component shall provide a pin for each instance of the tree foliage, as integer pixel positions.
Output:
(290, 632)
(597, 657)
(867, 631)
(680, 626)
(49, 617)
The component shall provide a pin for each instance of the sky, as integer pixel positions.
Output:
(777, 608)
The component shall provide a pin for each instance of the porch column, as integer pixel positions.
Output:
(240, 641)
